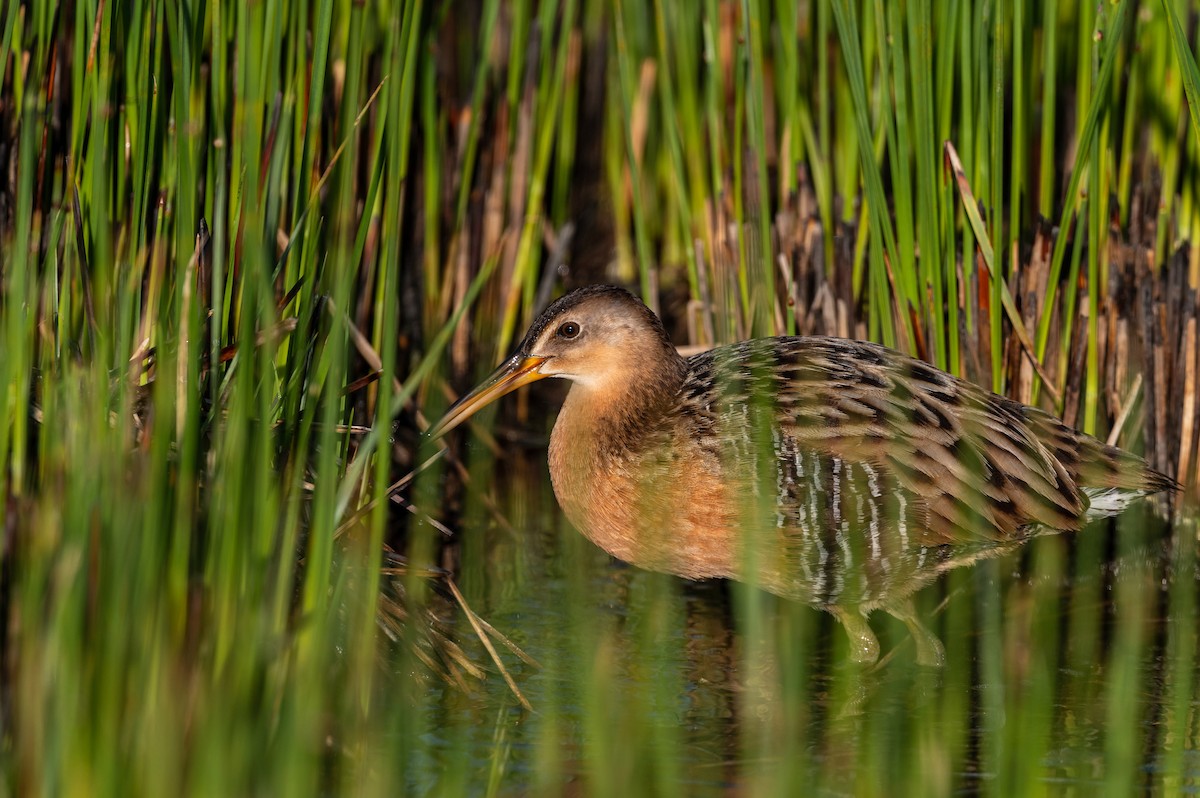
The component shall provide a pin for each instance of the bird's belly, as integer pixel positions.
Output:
(655, 524)
(825, 531)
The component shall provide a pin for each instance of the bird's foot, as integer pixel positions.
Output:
(930, 652)
(864, 648)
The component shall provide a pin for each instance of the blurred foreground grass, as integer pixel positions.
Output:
(242, 244)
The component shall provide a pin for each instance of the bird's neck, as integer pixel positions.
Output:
(603, 441)
(617, 414)
(604, 426)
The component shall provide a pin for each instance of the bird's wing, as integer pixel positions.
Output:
(960, 463)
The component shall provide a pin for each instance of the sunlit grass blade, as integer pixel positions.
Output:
(1187, 65)
(1091, 128)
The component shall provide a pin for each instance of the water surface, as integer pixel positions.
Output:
(1070, 668)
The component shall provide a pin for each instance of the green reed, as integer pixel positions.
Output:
(247, 249)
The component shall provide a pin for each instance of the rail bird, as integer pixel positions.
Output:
(834, 472)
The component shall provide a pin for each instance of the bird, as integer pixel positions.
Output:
(834, 472)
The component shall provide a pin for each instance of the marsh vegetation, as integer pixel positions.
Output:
(249, 251)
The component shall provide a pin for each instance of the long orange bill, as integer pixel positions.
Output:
(513, 373)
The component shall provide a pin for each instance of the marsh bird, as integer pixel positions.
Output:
(834, 472)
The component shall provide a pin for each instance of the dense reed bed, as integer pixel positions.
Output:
(247, 251)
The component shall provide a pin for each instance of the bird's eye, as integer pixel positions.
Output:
(568, 330)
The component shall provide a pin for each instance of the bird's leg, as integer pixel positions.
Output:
(864, 648)
(929, 648)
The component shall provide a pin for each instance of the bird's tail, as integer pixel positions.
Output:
(1104, 467)
(1111, 478)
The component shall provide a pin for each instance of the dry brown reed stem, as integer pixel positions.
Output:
(1187, 429)
(392, 490)
(487, 644)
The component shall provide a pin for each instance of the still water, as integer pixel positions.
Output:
(1070, 670)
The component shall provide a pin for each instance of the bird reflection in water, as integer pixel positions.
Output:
(834, 472)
